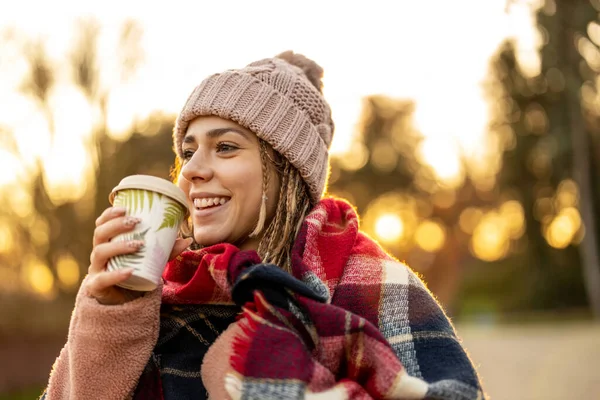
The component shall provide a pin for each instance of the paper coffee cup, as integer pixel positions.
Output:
(161, 206)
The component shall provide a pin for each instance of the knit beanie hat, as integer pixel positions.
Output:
(280, 100)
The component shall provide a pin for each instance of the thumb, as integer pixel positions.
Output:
(180, 245)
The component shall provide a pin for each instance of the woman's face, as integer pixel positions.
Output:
(222, 177)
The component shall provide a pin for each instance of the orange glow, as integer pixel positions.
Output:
(66, 176)
(67, 270)
(444, 198)
(9, 279)
(356, 157)
(392, 215)
(389, 228)
(9, 165)
(543, 207)
(20, 201)
(40, 233)
(593, 31)
(384, 157)
(469, 218)
(568, 194)
(38, 276)
(490, 241)
(7, 241)
(536, 120)
(589, 51)
(430, 236)
(563, 228)
(514, 216)
(442, 155)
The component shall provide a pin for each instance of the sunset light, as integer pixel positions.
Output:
(449, 123)
(389, 228)
(460, 188)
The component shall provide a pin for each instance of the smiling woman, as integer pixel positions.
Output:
(281, 295)
(222, 162)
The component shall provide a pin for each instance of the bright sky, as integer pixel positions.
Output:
(426, 50)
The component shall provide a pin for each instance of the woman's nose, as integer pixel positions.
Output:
(197, 168)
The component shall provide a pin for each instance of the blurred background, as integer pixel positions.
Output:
(467, 136)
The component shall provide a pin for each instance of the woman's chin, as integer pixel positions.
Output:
(206, 241)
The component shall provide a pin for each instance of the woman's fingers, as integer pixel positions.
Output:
(110, 213)
(98, 285)
(104, 251)
(112, 227)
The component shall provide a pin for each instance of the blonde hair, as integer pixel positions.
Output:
(293, 205)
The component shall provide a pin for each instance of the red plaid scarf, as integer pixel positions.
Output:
(331, 347)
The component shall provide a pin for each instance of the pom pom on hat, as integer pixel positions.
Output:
(280, 99)
(311, 69)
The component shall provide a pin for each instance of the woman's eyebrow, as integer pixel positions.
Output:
(214, 133)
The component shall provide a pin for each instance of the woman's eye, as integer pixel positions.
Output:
(187, 154)
(225, 147)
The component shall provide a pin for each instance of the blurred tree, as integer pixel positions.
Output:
(40, 78)
(578, 59)
(523, 222)
(539, 121)
(50, 240)
(414, 213)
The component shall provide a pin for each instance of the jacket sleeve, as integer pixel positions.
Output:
(106, 350)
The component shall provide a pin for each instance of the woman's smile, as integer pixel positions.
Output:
(207, 206)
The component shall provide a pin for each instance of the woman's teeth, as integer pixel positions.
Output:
(204, 203)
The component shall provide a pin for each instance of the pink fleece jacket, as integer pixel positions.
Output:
(107, 348)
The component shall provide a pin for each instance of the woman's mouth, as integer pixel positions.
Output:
(209, 203)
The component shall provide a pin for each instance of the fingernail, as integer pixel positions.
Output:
(136, 244)
(118, 210)
(131, 221)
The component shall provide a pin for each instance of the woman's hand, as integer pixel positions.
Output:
(101, 283)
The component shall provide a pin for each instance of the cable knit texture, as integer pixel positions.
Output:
(280, 100)
(107, 348)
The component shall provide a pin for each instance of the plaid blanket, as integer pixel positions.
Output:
(349, 322)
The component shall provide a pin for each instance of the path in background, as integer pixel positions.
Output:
(532, 362)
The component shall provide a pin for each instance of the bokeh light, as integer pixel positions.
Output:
(392, 218)
(490, 240)
(430, 236)
(563, 228)
(469, 219)
(443, 157)
(514, 216)
(356, 157)
(7, 240)
(9, 167)
(389, 228)
(37, 275)
(567, 195)
(67, 270)
(40, 233)
(383, 156)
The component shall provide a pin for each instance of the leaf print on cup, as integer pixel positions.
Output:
(131, 259)
(172, 216)
(135, 199)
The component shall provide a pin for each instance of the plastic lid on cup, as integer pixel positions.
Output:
(152, 183)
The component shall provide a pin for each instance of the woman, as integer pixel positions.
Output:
(285, 296)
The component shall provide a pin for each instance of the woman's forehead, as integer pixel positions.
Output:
(212, 127)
